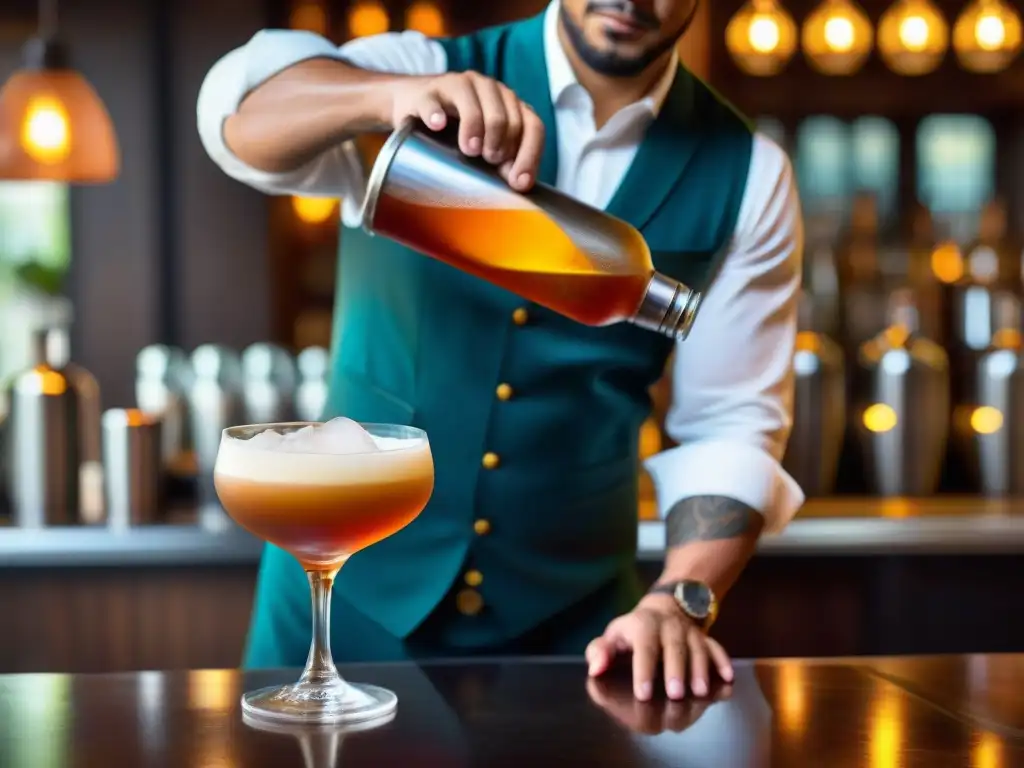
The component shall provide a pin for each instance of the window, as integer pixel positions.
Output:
(35, 252)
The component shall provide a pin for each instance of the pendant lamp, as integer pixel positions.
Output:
(53, 126)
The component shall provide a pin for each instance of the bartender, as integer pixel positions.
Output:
(528, 545)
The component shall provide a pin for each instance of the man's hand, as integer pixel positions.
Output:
(651, 718)
(655, 629)
(493, 123)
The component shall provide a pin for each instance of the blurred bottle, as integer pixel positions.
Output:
(269, 379)
(902, 421)
(54, 460)
(162, 376)
(862, 286)
(215, 401)
(819, 419)
(927, 272)
(311, 393)
(991, 427)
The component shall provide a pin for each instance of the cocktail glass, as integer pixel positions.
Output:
(322, 507)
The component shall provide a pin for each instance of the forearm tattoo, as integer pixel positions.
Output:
(710, 518)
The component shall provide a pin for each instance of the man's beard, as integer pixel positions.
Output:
(609, 63)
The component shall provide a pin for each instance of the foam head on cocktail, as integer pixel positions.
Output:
(323, 492)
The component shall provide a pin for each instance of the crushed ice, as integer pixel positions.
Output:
(337, 437)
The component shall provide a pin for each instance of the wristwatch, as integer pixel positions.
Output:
(694, 598)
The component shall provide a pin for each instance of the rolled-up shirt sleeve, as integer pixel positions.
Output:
(338, 172)
(732, 379)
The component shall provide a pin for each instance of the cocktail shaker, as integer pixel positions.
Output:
(903, 422)
(215, 400)
(269, 376)
(161, 384)
(544, 245)
(53, 431)
(992, 424)
(819, 418)
(311, 393)
(133, 467)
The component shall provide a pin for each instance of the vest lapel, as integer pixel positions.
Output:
(662, 157)
(526, 73)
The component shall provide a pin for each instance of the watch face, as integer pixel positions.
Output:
(695, 598)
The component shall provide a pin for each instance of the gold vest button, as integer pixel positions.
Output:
(469, 602)
(504, 392)
(491, 460)
(474, 578)
(482, 527)
(520, 316)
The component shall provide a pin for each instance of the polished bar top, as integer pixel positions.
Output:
(833, 527)
(908, 712)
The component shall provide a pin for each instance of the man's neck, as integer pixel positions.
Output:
(610, 94)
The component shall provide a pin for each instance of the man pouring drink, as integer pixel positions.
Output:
(528, 543)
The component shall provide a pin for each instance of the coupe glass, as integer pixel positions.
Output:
(322, 507)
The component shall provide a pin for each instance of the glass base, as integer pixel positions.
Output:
(330, 702)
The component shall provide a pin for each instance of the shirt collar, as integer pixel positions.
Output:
(562, 77)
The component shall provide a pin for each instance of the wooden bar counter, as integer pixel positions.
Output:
(847, 577)
(909, 712)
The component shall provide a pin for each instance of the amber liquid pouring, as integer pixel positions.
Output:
(522, 251)
(322, 525)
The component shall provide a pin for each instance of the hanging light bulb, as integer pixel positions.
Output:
(424, 16)
(761, 37)
(837, 37)
(987, 36)
(53, 126)
(913, 37)
(368, 17)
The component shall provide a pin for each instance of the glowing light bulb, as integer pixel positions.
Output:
(424, 16)
(837, 37)
(987, 36)
(913, 37)
(367, 18)
(761, 37)
(46, 131)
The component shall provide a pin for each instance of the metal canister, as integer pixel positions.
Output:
(215, 400)
(819, 418)
(132, 467)
(162, 377)
(311, 393)
(421, 188)
(269, 375)
(992, 425)
(903, 423)
(54, 464)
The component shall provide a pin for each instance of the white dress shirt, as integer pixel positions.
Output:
(731, 408)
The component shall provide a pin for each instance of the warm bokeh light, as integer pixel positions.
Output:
(913, 37)
(947, 263)
(879, 418)
(986, 420)
(314, 210)
(650, 438)
(424, 16)
(310, 16)
(987, 751)
(761, 37)
(213, 690)
(368, 17)
(837, 37)
(54, 127)
(987, 36)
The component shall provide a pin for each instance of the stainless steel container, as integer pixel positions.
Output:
(311, 393)
(903, 423)
(132, 467)
(55, 474)
(162, 377)
(992, 425)
(269, 379)
(819, 418)
(215, 400)
(424, 193)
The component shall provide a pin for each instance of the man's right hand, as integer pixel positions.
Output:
(493, 122)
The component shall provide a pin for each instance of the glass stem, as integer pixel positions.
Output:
(320, 667)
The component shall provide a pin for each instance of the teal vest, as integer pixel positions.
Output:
(418, 342)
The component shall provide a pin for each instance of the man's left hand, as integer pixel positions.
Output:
(657, 629)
